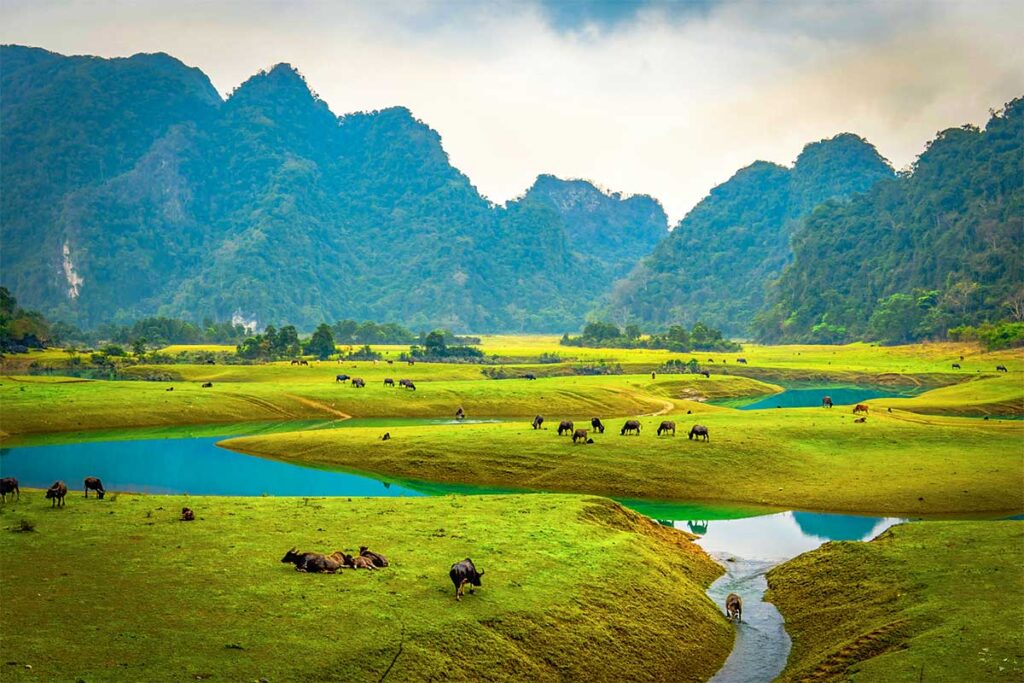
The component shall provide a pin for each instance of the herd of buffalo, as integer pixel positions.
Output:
(628, 427)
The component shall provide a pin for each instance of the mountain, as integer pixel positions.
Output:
(131, 189)
(934, 248)
(715, 264)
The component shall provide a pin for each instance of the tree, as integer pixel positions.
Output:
(321, 344)
(435, 345)
(139, 347)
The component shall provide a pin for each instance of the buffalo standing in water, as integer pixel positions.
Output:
(564, 427)
(699, 431)
(595, 423)
(538, 421)
(826, 402)
(94, 484)
(630, 426)
(666, 427)
(734, 607)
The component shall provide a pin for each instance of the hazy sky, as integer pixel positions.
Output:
(664, 98)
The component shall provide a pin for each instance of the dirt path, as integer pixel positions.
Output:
(669, 406)
(320, 406)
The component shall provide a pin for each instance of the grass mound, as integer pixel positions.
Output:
(928, 601)
(575, 588)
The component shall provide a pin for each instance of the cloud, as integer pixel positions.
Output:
(644, 97)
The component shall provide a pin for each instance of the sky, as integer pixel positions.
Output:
(638, 96)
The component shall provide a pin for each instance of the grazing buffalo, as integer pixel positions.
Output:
(391, 362)
(460, 414)
(706, 374)
(386, 437)
(462, 573)
(9, 485)
(741, 360)
(187, 515)
(169, 389)
(388, 382)
(711, 360)
(860, 420)
(294, 362)
(826, 402)
(630, 426)
(595, 423)
(956, 366)
(698, 431)
(529, 375)
(1001, 368)
(666, 427)
(407, 383)
(654, 375)
(377, 559)
(358, 382)
(56, 493)
(94, 484)
(538, 421)
(564, 427)
(341, 378)
(734, 607)
(579, 436)
(207, 385)
(860, 408)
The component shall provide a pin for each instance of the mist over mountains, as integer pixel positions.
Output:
(130, 188)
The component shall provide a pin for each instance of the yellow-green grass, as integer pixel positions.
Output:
(30, 404)
(1000, 395)
(574, 588)
(930, 601)
(807, 458)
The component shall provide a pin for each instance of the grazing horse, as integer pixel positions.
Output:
(341, 378)
(860, 408)
(207, 385)
(56, 493)
(734, 607)
(580, 436)
(666, 427)
(1001, 368)
(94, 484)
(538, 421)
(596, 424)
(564, 427)
(826, 402)
(9, 485)
(630, 426)
(698, 431)
(388, 382)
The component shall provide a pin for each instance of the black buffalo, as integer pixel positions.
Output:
(595, 422)
(666, 427)
(56, 493)
(826, 402)
(460, 414)
(630, 426)
(1001, 368)
(698, 431)
(358, 382)
(462, 573)
(580, 436)
(741, 360)
(94, 484)
(564, 427)
(9, 485)
(956, 366)
(706, 374)
(388, 382)
(529, 376)
(341, 378)
(207, 385)
(538, 421)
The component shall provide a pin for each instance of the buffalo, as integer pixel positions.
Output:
(529, 375)
(654, 375)
(315, 563)
(94, 484)
(377, 559)
(595, 422)
(187, 515)
(358, 382)
(462, 573)
(1001, 368)
(666, 427)
(207, 385)
(341, 378)
(956, 366)
(706, 374)
(407, 383)
(579, 436)
(565, 427)
(538, 421)
(630, 426)
(388, 382)
(386, 437)
(741, 360)
(826, 402)
(860, 420)
(698, 431)
(56, 493)
(9, 485)
(860, 408)
(734, 607)
(460, 414)
(359, 562)
(169, 389)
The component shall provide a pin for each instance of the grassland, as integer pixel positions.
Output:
(814, 459)
(575, 588)
(923, 602)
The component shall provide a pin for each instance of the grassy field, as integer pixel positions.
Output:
(923, 602)
(807, 458)
(575, 588)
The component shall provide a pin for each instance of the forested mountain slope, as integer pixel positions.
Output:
(131, 188)
(939, 246)
(716, 263)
